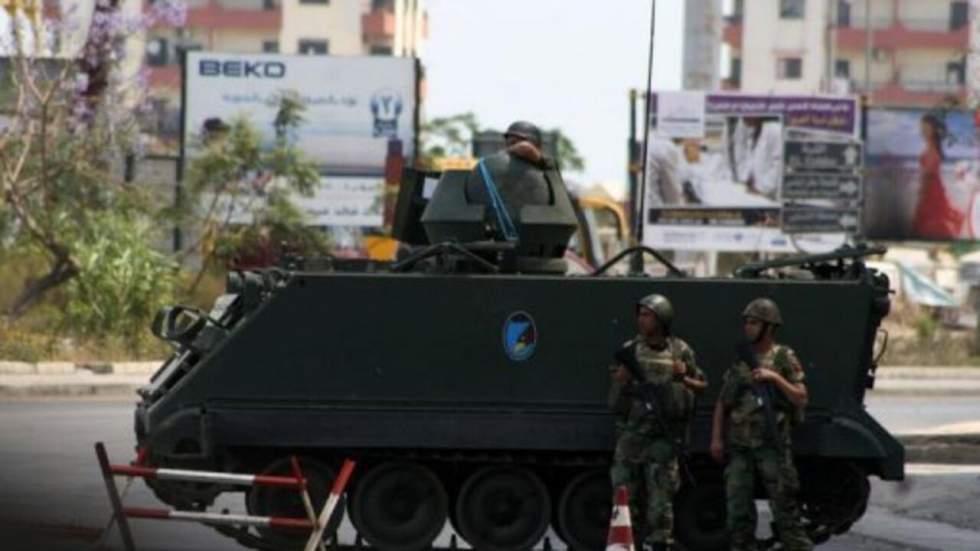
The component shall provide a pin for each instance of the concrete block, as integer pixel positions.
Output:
(55, 368)
(17, 368)
(136, 368)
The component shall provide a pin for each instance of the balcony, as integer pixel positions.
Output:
(254, 15)
(922, 93)
(378, 26)
(904, 33)
(167, 76)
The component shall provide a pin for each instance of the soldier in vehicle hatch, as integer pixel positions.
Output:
(654, 384)
(763, 396)
(519, 175)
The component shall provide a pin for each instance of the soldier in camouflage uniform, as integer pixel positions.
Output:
(751, 445)
(646, 449)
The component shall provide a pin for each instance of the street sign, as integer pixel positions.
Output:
(820, 220)
(822, 157)
(842, 187)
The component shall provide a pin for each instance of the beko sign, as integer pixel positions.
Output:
(241, 68)
(354, 107)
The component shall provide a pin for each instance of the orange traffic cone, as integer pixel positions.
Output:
(620, 528)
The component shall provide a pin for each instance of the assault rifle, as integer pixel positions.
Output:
(648, 394)
(762, 391)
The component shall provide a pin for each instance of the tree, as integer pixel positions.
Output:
(240, 193)
(68, 123)
(449, 136)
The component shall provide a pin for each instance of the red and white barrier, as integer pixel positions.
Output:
(217, 518)
(137, 469)
(620, 527)
(335, 492)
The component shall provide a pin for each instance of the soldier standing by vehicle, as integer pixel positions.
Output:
(762, 398)
(650, 431)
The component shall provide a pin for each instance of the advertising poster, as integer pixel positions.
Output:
(721, 189)
(338, 201)
(922, 175)
(354, 105)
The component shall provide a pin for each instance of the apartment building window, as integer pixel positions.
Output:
(843, 13)
(789, 68)
(270, 46)
(842, 68)
(735, 74)
(956, 73)
(313, 47)
(959, 15)
(388, 5)
(268, 4)
(791, 9)
(321, 2)
(157, 52)
(381, 50)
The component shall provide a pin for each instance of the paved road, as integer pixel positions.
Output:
(52, 497)
(914, 414)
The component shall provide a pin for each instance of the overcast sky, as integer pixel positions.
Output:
(558, 63)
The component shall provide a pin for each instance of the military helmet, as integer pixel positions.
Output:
(525, 131)
(763, 309)
(661, 307)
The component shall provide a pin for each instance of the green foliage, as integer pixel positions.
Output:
(247, 190)
(568, 155)
(122, 282)
(25, 346)
(925, 326)
(449, 136)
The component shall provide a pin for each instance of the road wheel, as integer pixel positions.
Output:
(699, 515)
(503, 509)
(584, 509)
(271, 501)
(399, 507)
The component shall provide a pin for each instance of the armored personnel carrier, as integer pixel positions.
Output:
(469, 378)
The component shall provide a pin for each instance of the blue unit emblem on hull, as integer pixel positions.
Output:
(520, 336)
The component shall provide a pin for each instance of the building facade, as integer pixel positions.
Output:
(899, 52)
(299, 27)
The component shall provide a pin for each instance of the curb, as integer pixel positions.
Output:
(931, 373)
(69, 368)
(925, 387)
(958, 449)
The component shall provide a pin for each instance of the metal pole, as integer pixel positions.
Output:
(178, 242)
(114, 500)
(832, 45)
(417, 116)
(868, 38)
(632, 162)
(637, 261)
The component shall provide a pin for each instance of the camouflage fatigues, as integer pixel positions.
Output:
(645, 458)
(752, 452)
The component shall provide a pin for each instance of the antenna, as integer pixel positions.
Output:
(637, 261)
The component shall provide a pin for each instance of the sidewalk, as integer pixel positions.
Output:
(21, 379)
(926, 381)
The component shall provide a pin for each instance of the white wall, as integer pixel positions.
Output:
(766, 37)
(338, 22)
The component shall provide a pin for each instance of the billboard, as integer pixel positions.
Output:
(354, 105)
(337, 201)
(922, 175)
(715, 171)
